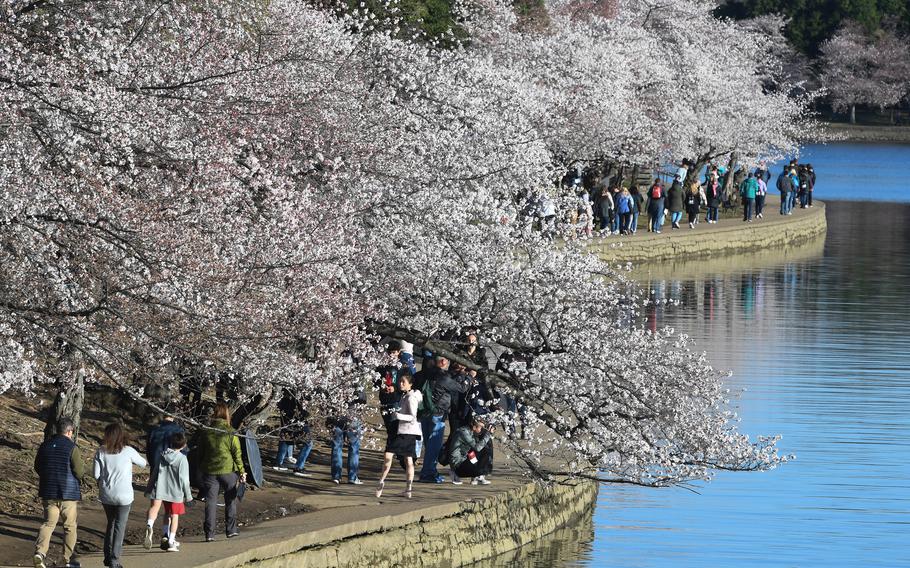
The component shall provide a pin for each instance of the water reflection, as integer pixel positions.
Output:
(821, 345)
(565, 548)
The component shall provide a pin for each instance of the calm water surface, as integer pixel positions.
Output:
(821, 343)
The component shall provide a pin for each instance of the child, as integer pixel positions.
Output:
(171, 484)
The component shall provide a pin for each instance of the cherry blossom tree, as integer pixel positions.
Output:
(862, 70)
(265, 189)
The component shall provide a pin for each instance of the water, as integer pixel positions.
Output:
(821, 342)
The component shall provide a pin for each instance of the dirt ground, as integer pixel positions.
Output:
(21, 432)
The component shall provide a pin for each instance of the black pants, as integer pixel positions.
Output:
(117, 516)
(759, 204)
(211, 485)
(693, 215)
(748, 205)
(483, 466)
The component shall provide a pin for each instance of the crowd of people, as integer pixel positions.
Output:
(415, 406)
(606, 207)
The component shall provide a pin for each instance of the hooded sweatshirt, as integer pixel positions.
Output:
(171, 481)
(114, 473)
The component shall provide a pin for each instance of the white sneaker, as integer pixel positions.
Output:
(355, 481)
(302, 474)
(480, 481)
(147, 541)
(173, 546)
(39, 560)
(279, 468)
(291, 460)
(456, 480)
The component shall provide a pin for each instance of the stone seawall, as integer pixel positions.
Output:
(446, 535)
(727, 237)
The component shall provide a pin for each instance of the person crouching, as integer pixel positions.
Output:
(471, 452)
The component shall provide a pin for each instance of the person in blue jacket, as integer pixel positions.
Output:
(59, 467)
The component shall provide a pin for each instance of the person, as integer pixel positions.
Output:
(615, 215)
(113, 468)
(404, 444)
(471, 452)
(675, 202)
(803, 175)
(783, 186)
(713, 197)
(169, 483)
(794, 190)
(683, 171)
(693, 203)
(748, 189)
(811, 171)
(442, 388)
(604, 207)
(294, 431)
(624, 209)
(157, 442)
(59, 466)
(637, 202)
(221, 464)
(760, 194)
(585, 211)
(655, 206)
(347, 430)
(547, 214)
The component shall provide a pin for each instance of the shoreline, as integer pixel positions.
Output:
(728, 237)
(869, 133)
(479, 524)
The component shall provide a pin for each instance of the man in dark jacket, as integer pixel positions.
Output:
(60, 469)
(783, 185)
(443, 388)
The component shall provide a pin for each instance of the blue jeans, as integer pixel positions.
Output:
(614, 223)
(675, 217)
(804, 199)
(748, 205)
(433, 429)
(352, 434)
(712, 214)
(634, 225)
(286, 448)
(784, 203)
(791, 203)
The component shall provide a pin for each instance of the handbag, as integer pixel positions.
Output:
(241, 490)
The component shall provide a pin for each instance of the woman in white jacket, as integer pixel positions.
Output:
(404, 445)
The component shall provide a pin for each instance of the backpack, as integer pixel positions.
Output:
(426, 407)
(657, 192)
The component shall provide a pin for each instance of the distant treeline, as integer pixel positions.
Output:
(811, 22)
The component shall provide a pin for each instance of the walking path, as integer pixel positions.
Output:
(332, 512)
(728, 236)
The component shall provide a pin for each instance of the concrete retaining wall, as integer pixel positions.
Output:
(728, 237)
(455, 534)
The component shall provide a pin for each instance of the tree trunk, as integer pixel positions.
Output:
(852, 114)
(633, 178)
(68, 403)
(730, 193)
(695, 169)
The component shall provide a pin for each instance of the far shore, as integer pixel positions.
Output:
(870, 133)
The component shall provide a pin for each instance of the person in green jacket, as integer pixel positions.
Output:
(471, 452)
(748, 189)
(221, 464)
